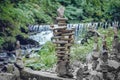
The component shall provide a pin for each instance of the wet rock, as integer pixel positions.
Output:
(118, 47)
(34, 79)
(118, 76)
(94, 64)
(114, 51)
(61, 69)
(114, 64)
(19, 64)
(6, 76)
(88, 36)
(69, 70)
(10, 68)
(95, 55)
(3, 57)
(79, 74)
(26, 41)
(16, 73)
(111, 76)
(95, 73)
(94, 77)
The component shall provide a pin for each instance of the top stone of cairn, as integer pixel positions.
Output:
(60, 11)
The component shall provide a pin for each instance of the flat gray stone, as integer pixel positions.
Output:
(28, 73)
(113, 63)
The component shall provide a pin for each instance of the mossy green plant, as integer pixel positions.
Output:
(46, 59)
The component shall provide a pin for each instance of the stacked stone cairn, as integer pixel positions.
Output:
(63, 38)
(105, 62)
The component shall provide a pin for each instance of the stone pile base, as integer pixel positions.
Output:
(28, 74)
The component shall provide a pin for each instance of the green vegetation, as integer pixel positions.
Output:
(79, 51)
(91, 10)
(16, 15)
(45, 58)
(1, 41)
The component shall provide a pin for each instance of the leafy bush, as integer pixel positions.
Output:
(46, 58)
(15, 16)
(91, 10)
(47, 54)
(79, 52)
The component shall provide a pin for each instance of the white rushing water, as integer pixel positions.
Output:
(44, 34)
(42, 37)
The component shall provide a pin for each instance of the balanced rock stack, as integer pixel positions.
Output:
(63, 38)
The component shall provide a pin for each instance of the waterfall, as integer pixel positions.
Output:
(39, 28)
(44, 32)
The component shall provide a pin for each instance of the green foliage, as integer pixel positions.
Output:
(79, 52)
(18, 14)
(1, 42)
(47, 54)
(64, 2)
(46, 58)
(34, 63)
(73, 13)
(15, 14)
(91, 10)
(114, 9)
